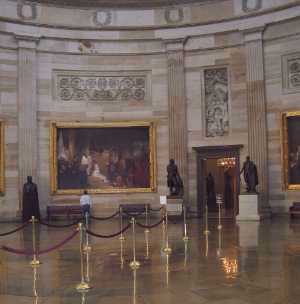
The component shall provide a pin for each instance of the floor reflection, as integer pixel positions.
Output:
(239, 264)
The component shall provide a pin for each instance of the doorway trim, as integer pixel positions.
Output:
(206, 152)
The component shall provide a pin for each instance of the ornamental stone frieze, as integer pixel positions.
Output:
(93, 86)
(216, 102)
(291, 73)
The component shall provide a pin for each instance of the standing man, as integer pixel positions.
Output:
(85, 203)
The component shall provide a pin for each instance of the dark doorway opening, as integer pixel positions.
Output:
(218, 173)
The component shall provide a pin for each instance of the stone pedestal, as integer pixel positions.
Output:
(248, 208)
(174, 205)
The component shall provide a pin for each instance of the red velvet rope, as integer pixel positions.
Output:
(15, 230)
(150, 226)
(25, 252)
(110, 235)
(104, 218)
(60, 226)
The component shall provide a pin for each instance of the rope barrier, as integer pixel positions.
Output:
(155, 210)
(61, 226)
(25, 252)
(104, 218)
(110, 235)
(14, 230)
(151, 226)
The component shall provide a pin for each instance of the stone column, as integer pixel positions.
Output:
(177, 107)
(27, 109)
(256, 110)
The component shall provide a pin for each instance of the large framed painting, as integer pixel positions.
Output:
(1, 156)
(112, 157)
(291, 150)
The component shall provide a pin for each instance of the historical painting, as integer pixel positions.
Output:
(291, 149)
(1, 156)
(216, 102)
(103, 157)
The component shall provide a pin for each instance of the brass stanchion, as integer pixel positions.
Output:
(34, 285)
(134, 264)
(121, 254)
(206, 245)
(219, 202)
(185, 236)
(146, 211)
(134, 286)
(87, 273)
(35, 261)
(167, 248)
(147, 245)
(83, 285)
(87, 246)
(122, 238)
(167, 269)
(219, 250)
(185, 254)
(206, 231)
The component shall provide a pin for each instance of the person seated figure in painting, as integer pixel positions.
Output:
(85, 203)
(250, 175)
(30, 201)
(96, 173)
(83, 174)
(174, 180)
(211, 192)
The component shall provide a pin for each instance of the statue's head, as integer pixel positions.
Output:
(172, 161)
(85, 191)
(29, 179)
(248, 158)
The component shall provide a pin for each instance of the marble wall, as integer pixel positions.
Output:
(172, 49)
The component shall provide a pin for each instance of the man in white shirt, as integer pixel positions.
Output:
(85, 203)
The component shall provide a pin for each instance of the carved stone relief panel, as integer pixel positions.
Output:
(92, 86)
(291, 73)
(216, 102)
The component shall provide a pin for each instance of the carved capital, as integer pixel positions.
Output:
(27, 41)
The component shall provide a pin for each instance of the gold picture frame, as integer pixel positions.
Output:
(290, 140)
(2, 186)
(110, 157)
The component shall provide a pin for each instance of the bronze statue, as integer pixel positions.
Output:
(175, 183)
(250, 175)
(30, 200)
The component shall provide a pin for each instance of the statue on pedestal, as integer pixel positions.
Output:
(250, 175)
(30, 200)
(175, 183)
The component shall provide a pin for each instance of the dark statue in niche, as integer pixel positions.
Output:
(211, 192)
(175, 183)
(250, 175)
(30, 200)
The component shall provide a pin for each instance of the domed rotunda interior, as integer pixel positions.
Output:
(161, 138)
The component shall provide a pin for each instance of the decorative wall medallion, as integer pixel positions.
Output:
(251, 5)
(26, 10)
(291, 73)
(216, 102)
(102, 86)
(102, 17)
(174, 15)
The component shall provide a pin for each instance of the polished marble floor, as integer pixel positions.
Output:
(242, 263)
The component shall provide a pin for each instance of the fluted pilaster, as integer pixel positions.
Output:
(27, 108)
(256, 108)
(177, 107)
